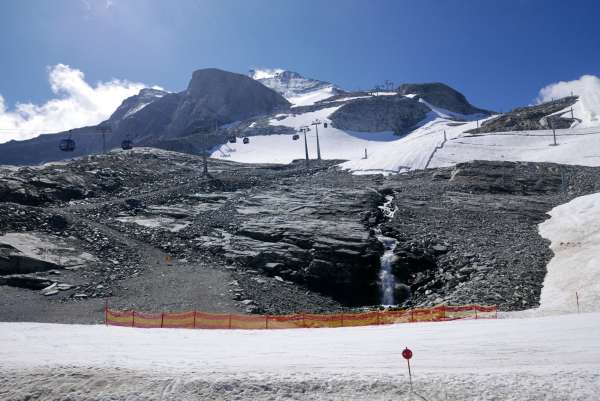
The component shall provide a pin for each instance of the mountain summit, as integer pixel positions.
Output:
(300, 91)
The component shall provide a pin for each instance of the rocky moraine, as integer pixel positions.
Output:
(144, 229)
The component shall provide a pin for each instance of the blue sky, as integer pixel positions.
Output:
(498, 53)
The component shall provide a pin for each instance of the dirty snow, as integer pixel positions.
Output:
(574, 230)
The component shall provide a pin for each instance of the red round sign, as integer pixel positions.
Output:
(407, 354)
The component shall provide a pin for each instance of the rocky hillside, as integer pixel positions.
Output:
(380, 113)
(441, 95)
(541, 116)
(269, 238)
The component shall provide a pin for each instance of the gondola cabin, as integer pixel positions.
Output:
(246, 141)
(126, 145)
(67, 145)
(296, 137)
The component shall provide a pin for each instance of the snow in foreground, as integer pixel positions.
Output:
(552, 358)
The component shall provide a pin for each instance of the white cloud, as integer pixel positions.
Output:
(587, 88)
(77, 104)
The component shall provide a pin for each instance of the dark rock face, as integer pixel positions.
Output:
(507, 177)
(313, 237)
(441, 95)
(135, 104)
(38, 190)
(530, 118)
(215, 95)
(380, 113)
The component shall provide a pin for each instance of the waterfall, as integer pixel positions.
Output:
(387, 280)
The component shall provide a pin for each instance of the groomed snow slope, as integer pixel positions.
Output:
(423, 147)
(386, 151)
(550, 358)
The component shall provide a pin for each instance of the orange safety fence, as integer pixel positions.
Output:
(202, 320)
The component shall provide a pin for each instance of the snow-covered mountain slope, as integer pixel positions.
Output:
(439, 141)
(298, 90)
(548, 358)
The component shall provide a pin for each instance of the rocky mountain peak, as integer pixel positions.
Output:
(441, 95)
(135, 103)
(290, 84)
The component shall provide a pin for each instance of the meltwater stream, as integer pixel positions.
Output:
(387, 281)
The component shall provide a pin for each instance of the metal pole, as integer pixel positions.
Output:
(409, 374)
(204, 159)
(318, 147)
(305, 148)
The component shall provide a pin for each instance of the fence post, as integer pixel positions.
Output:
(230, 321)
(266, 321)
(443, 312)
(162, 319)
(378, 318)
(133, 319)
(412, 315)
(475, 307)
(342, 316)
(195, 311)
(106, 312)
(303, 321)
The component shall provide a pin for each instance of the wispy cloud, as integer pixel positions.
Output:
(77, 104)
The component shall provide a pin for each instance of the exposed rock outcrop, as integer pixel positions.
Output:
(441, 95)
(531, 118)
(380, 113)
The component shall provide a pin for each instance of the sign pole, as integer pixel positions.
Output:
(407, 354)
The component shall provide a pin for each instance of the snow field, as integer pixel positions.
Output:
(505, 359)
(425, 146)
